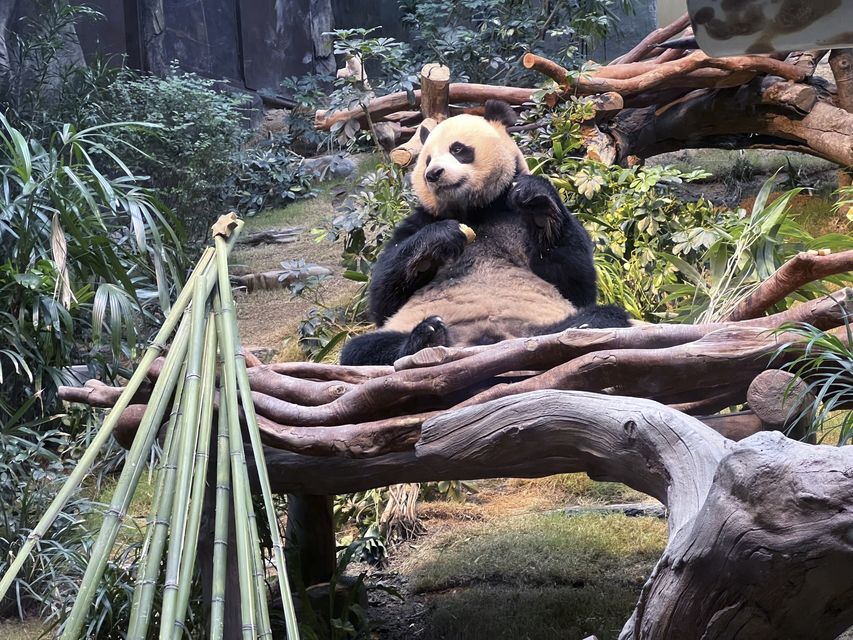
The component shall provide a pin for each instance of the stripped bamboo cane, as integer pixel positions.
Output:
(158, 526)
(231, 346)
(202, 450)
(239, 477)
(161, 397)
(220, 526)
(188, 429)
(88, 458)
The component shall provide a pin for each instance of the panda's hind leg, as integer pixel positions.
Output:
(385, 347)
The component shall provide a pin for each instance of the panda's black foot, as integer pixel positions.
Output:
(429, 333)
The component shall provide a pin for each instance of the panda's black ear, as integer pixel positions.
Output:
(500, 112)
(424, 133)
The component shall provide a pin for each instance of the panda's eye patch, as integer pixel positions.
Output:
(462, 152)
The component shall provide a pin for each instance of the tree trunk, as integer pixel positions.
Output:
(310, 538)
(841, 63)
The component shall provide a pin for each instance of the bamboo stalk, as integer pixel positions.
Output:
(188, 429)
(263, 614)
(239, 476)
(231, 343)
(88, 458)
(220, 526)
(158, 526)
(161, 397)
(202, 455)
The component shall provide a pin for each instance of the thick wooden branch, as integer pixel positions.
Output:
(759, 530)
(803, 268)
(458, 92)
(742, 117)
(647, 44)
(688, 361)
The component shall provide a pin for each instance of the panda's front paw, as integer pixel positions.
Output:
(438, 243)
(431, 332)
(535, 198)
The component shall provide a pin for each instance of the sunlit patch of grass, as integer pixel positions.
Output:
(564, 576)
(578, 488)
(16, 630)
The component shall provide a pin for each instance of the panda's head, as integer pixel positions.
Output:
(467, 161)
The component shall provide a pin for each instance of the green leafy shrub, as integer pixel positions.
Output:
(483, 40)
(41, 85)
(826, 366)
(308, 93)
(190, 153)
(266, 176)
(392, 60)
(365, 220)
(745, 252)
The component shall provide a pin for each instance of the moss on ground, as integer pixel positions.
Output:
(537, 576)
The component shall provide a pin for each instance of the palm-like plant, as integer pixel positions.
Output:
(743, 257)
(84, 250)
(825, 364)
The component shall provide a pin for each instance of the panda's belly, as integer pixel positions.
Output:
(492, 302)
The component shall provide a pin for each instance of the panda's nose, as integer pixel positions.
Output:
(432, 175)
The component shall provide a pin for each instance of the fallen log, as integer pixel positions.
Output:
(272, 236)
(458, 92)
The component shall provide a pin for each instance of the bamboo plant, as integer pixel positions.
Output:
(203, 384)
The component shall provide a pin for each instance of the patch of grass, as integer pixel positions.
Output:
(544, 549)
(16, 630)
(580, 489)
(543, 613)
(564, 576)
(815, 213)
(133, 528)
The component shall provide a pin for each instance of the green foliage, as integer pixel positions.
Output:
(389, 56)
(365, 221)
(266, 176)
(826, 366)
(82, 256)
(308, 92)
(367, 217)
(483, 40)
(41, 86)
(746, 251)
(188, 155)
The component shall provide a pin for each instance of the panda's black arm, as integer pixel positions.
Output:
(410, 260)
(561, 250)
(568, 265)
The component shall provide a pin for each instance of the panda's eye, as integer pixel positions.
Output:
(429, 159)
(462, 152)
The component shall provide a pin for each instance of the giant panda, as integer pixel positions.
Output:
(528, 271)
